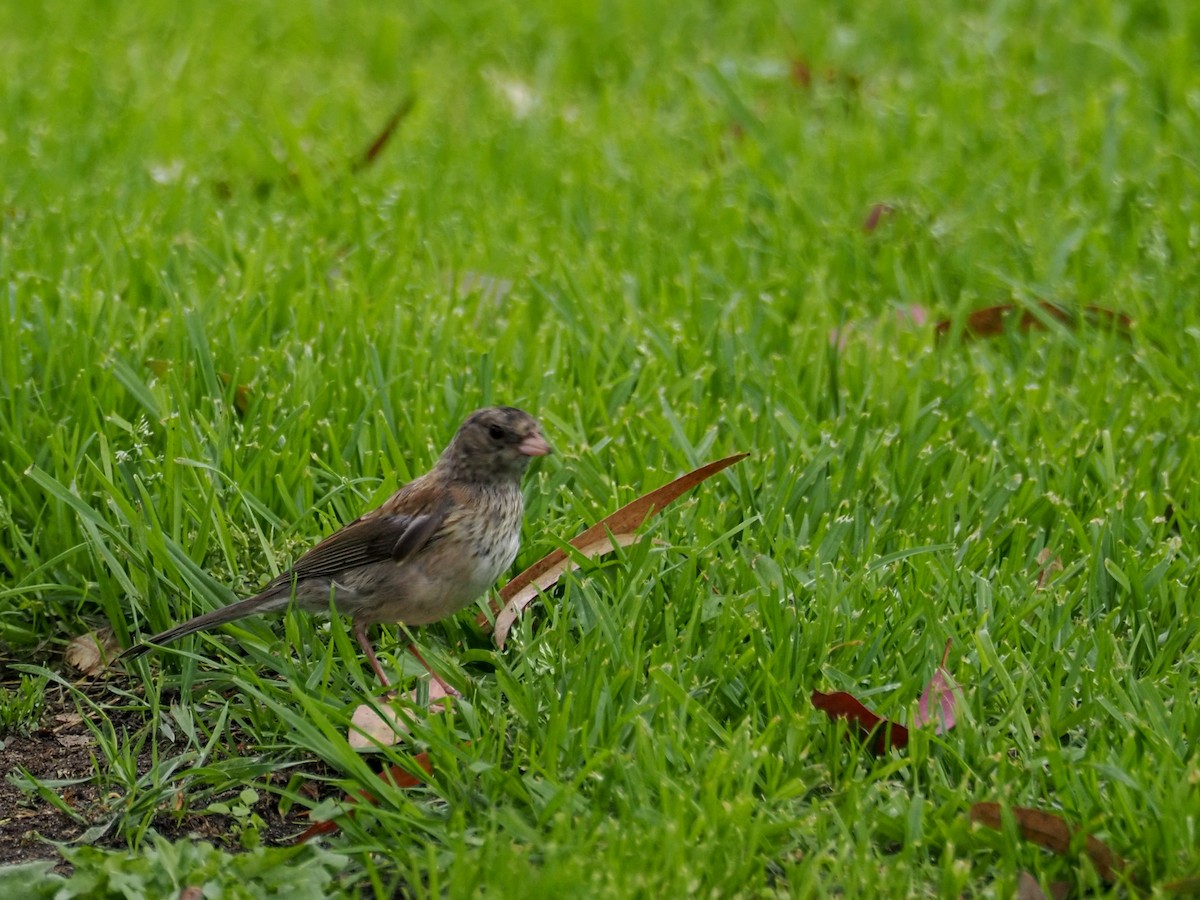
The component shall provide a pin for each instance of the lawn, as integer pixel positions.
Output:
(258, 262)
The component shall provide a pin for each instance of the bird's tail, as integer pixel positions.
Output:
(260, 603)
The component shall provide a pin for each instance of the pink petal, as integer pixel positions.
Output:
(941, 693)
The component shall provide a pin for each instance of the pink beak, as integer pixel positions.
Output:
(534, 445)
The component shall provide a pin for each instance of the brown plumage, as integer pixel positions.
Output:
(432, 548)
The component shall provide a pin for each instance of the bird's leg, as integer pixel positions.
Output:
(450, 692)
(360, 633)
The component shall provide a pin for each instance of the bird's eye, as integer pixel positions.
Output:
(495, 432)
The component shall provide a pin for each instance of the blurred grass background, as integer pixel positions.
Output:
(644, 223)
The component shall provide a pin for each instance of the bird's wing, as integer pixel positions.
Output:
(378, 537)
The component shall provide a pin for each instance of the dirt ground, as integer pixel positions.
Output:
(62, 748)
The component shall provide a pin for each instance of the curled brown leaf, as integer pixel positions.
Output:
(996, 320)
(616, 530)
(396, 775)
(1052, 832)
(884, 734)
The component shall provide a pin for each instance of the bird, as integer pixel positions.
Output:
(425, 553)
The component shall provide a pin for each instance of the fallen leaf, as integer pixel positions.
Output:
(877, 214)
(518, 602)
(801, 73)
(397, 775)
(1052, 832)
(1028, 888)
(1050, 565)
(66, 720)
(1189, 886)
(75, 741)
(593, 542)
(841, 705)
(939, 700)
(370, 728)
(91, 653)
(399, 114)
(242, 394)
(995, 320)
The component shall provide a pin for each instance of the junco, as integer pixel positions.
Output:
(433, 547)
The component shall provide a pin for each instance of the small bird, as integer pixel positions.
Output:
(432, 548)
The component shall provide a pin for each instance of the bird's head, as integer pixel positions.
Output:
(494, 444)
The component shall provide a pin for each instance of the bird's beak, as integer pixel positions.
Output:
(534, 445)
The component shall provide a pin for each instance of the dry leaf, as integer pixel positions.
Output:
(1050, 565)
(241, 394)
(1053, 833)
(399, 114)
(75, 741)
(1028, 888)
(371, 727)
(91, 653)
(1187, 886)
(841, 705)
(995, 320)
(398, 776)
(64, 720)
(802, 74)
(875, 217)
(621, 525)
(517, 603)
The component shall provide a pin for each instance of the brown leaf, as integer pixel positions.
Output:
(369, 729)
(518, 602)
(397, 775)
(841, 705)
(801, 73)
(996, 320)
(1053, 833)
(91, 653)
(876, 216)
(1189, 886)
(1028, 888)
(595, 542)
(242, 394)
(399, 114)
(1050, 564)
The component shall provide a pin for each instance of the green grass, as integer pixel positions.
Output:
(681, 224)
